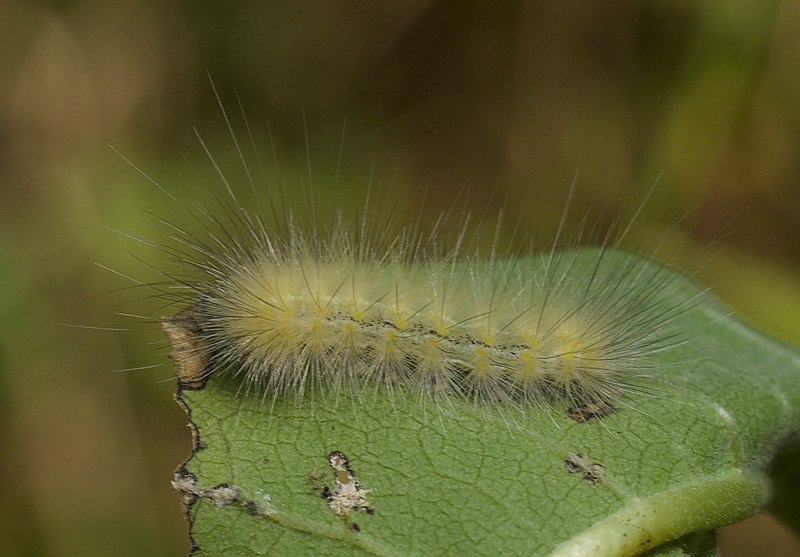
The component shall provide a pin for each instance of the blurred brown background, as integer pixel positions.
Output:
(511, 97)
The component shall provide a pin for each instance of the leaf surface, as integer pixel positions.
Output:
(438, 476)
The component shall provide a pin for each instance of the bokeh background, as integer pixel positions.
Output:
(502, 98)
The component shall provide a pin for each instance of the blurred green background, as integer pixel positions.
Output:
(511, 98)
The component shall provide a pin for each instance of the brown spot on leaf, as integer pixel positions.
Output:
(590, 411)
(188, 353)
(593, 472)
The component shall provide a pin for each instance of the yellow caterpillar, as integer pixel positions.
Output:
(291, 312)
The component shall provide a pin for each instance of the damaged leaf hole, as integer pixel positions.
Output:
(348, 495)
(590, 411)
(222, 495)
(593, 472)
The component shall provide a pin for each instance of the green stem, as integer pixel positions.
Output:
(647, 523)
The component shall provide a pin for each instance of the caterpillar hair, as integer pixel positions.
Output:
(296, 301)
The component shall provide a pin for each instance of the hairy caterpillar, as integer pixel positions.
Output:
(290, 309)
(295, 312)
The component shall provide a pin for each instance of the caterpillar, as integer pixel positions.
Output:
(291, 310)
(293, 305)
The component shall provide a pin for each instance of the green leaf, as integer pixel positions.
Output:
(430, 476)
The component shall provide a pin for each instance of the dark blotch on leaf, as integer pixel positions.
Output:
(590, 411)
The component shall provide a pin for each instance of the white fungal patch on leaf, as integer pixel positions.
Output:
(222, 495)
(348, 495)
(593, 472)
